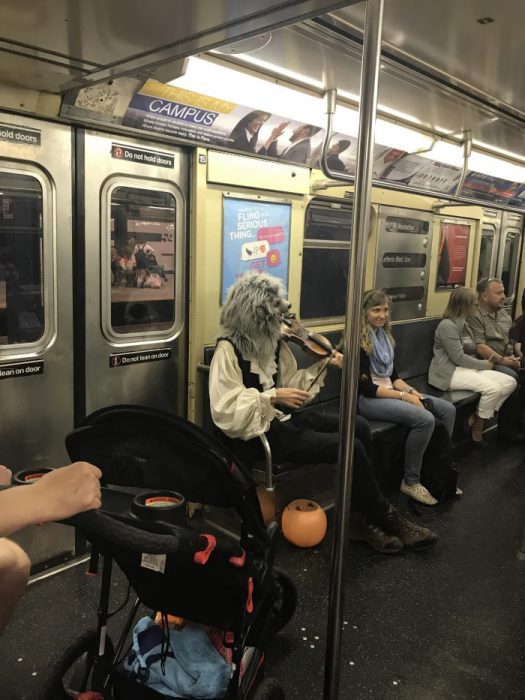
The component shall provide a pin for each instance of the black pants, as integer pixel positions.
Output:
(313, 438)
(510, 415)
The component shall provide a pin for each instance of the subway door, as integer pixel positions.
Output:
(509, 254)
(134, 348)
(36, 328)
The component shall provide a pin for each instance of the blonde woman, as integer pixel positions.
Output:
(383, 395)
(455, 367)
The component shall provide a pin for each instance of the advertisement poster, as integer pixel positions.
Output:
(489, 188)
(452, 261)
(198, 118)
(437, 177)
(256, 236)
(190, 115)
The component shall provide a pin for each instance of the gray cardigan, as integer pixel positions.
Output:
(449, 352)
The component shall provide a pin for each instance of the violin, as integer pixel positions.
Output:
(314, 344)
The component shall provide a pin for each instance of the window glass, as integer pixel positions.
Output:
(21, 264)
(485, 254)
(509, 264)
(328, 229)
(325, 279)
(142, 255)
(329, 221)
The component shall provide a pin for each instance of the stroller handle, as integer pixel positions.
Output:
(101, 527)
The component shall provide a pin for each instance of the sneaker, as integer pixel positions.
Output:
(363, 531)
(419, 493)
(413, 536)
(459, 491)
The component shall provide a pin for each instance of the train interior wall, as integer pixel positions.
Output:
(382, 660)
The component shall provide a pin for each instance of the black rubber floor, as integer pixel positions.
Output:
(443, 624)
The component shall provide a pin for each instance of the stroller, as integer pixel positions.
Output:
(175, 567)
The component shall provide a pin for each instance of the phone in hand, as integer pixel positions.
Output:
(428, 404)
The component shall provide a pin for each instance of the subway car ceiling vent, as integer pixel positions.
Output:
(254, 43)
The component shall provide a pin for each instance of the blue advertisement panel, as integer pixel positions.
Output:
(256, 236)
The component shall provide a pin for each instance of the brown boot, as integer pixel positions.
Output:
(363, 531)
(413, 536)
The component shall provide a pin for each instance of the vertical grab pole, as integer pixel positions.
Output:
(360, 225)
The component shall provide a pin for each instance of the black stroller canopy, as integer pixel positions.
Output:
(148, 448)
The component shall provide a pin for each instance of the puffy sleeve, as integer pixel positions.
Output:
(237, 411)
(290, 376)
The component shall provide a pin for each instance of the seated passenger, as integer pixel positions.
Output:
(383, 395)
(56, 496)
(255, 387)
(490, 327)
(455, 367)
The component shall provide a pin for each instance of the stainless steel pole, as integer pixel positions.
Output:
(361, 222)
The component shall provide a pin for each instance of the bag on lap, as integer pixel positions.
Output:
(439, 474)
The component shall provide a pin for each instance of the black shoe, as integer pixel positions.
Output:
(414, 537)
(363, 531)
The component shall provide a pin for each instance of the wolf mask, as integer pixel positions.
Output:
(251, 316)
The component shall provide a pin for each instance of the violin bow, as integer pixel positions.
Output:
(324, 363)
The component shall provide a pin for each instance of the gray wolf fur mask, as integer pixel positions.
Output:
(251, 316)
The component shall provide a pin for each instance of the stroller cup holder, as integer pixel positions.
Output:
(29, 476)
(160, 506)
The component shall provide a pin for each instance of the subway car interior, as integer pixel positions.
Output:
(150, 155)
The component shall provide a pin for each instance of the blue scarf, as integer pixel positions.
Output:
(382, 357)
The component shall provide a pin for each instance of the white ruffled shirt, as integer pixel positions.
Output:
(246, 413)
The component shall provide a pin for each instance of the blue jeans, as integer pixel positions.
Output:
(419, 422)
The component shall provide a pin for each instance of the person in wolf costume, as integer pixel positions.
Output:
(255, 387)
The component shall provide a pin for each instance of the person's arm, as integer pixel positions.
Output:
(290, 376)
(477, 328)
(269, 147)
(453, 346)
(236, 410)
(487, 353)
(366, 386)
(57, 495)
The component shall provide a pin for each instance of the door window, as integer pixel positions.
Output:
(509, 263)
(485, 253)
(142, 260)
(22, 313)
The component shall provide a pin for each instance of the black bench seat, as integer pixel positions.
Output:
(414, 343)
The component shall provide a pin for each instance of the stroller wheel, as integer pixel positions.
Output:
(269, 689)
(76, 671)
(284, 601)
